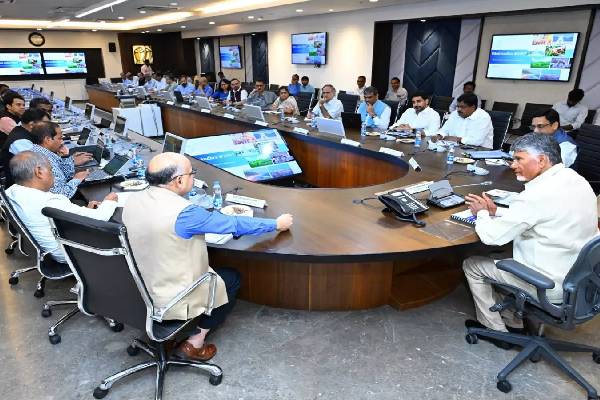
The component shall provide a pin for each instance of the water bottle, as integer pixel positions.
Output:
(108, 146)
(450, 157)
(193, 196)
(217, 196)
(281, 115)
(363, 129)
(418, 138)
(313, 122)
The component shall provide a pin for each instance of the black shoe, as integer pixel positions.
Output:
(471, 323)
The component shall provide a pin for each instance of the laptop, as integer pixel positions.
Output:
(253, 112)
(67, 103)
(174, 143)
(179, 97)
(83, 136)
(109, 170)
(120, 128)
(332, 126)
(351, 120)
(104, 123)
(89, 111)
(202, 102)
(96, 150)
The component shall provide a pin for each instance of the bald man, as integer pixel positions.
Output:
(171, 253)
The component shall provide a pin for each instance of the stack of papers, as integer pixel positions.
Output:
(214, 238)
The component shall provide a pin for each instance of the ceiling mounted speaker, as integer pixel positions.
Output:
(112, 47)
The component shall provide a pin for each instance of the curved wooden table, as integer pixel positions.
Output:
(340, 255)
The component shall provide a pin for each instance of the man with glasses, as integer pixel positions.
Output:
(548, 123)
(237, 95)
(361, 81)
(261, 97)
(469, 124)
(374, 112)
(420, 116)
(328, 106)
(170, 249)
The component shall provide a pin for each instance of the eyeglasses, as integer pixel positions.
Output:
(192, 173)
(539, 126)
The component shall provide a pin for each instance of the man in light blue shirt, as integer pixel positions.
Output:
(203, 88)
(128, 80)
(261, 97)
(184, 87)
(374, 112)
(328, 106)
(294, 87)
(305, 87)
(153, 83)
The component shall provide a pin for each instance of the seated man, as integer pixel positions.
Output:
(152, 83)
(468, 124)
(305, 87)
(548, 123)
(3, 89)
(294, 87)
(184, 86)
(43, 104)
(420, 116)
(572, 112)
(31, 192)
(14, 105)
(237, 95)
(468, 88)
(127, 79)
(171, 83)
(203, 89)
(549, 222)
(360, 87)
(261, 97)
(374, 112)
(171, 252)
(328, 106)
(396, 92)
(48, 141)
(286, 102)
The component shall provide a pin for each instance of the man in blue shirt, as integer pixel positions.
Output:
(374, 112)
(184, 87)
(203, 89)
(127, 79)
(171, 253)
(294, 87)
(305, 87)
(548, 123)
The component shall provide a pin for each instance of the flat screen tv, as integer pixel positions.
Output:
(15, 64)
(309, 48)
(231, 57)
(534, 56)
(257, 156)
(65, 62)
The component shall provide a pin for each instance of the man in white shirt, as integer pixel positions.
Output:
(468, 88)
(374, 113)
(31, 192)
(396, 92)
(549, 222)
(468, 124)
(237, 95)
(572, 112)
(146, 69)
(328, 106)
(420, 116)
(548, 123)
(361, 81)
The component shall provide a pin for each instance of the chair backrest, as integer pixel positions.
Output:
(590, 117)
(14, 219)
(441, 113)
(501, 123)
(394, 106)
(273, 87)
(304, 100)
(315, 98)
(99, 254)
(441, 102)
(508, 107)
(116, 80)
(349, 101)
(248, 86)
(530, 110)
(587, 163)
(341, 92)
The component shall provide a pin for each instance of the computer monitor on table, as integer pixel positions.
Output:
(174, 143)
(331, 126)
(253, 112)
(67, 103)
(120, 128)
(203, 102)
(89, 111)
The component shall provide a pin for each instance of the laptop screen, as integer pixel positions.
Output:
(120, 126)
(89, 111)
(115, 164)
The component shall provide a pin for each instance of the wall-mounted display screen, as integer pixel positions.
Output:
(21, 64)
(256, 156)
(231, 57)
(65, 63)
(309, 48)
(536, 56)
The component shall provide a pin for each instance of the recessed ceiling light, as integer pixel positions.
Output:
(39, 29)
(121, 17)
(211, 23)
(172, 4)
(102, 22)
(159, 30)
(94, 30)
(142, 11)
(250, 16)
(423, 20)
(299, 10)
(330, 10)
(373, 1)
(197, 38)
(260, 18)
(183, 26)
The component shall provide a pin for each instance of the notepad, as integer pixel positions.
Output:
(465, 217)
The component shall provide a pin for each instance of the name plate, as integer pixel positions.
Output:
(414, 164)
(261, 123)
(170, 103)
(186, 106)
(301, 131)
(205, 110)
(350, 142)
(226, 115)
(391, 152)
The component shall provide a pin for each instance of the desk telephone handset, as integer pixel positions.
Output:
(404, 206)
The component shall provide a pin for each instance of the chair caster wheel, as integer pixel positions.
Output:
(54, 339)
(117, 327)
(504, 386)
(13, 280)
(471, 338)
(39, 293)
(8, 250)
(100, 393)
(596, 357)
(215, 379)
(46, 312)
(535, 357)
(132, 351)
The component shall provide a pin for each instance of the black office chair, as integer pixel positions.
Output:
(394, 105)
(111, 286)
(273, 87)
(587, 163)
(590, 117)
(247, 86)
(501, 122)
(441, 102)
(315, 99)
(304, 100)
(530, 110)
(442, 114)
(581, 302)
(341, 92)
(506, 107)
(349, 101)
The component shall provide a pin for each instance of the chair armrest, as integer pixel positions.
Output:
(525, 273)
(209, 276)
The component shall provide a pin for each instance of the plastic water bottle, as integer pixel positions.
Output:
(363, 129)
(281, 115)
(450, 157)
(109, 147)
(418, 138)
(217, 195)
(313, 122)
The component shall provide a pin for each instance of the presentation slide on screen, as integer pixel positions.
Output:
(21, 64)
(309, 48)
(65, 63)
(230, 57)
(543, 57)
(256, 156)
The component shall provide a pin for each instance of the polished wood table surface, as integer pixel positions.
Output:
(339, 255)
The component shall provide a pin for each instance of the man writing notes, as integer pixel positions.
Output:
(572, 112)
(469, 124)
(328, 106)
(171, 252)
(420, 116)
(548, 123)
(374, 112)
(548, 222)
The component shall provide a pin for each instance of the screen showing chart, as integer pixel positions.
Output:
(21, 64)
(256, 156)
(230, 57)
(309, 48)
(539, 56)
(65, 63)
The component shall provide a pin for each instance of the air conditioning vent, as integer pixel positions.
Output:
(158, 8)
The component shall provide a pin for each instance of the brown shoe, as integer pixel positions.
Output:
(188, 351)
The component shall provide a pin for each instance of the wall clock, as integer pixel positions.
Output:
(37, 39)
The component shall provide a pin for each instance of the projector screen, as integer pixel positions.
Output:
(256, 156)
(538, 56)
(309, 48)
(21, 64)
(230, 57)
(65, 63)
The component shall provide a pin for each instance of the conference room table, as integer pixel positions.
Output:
(341, 253)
